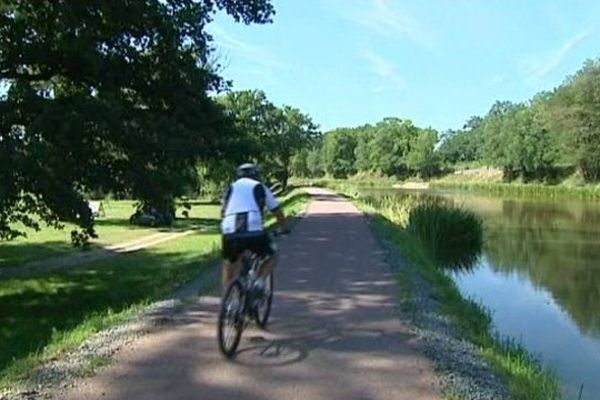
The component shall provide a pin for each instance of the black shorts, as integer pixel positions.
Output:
(234, 245)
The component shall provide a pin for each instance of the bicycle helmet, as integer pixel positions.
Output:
(247, 170)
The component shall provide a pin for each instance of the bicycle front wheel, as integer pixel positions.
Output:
(231, 319)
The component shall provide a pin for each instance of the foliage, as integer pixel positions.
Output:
(578, 102)
(299, 164)
(536, 140)
(110, 97)
(422, 158)
(337, 152)
(268, 134)
(459, 147)
(314, 162)
(453, 234)
(391, 148)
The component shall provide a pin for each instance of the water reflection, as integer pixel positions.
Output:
(540, 276)
(556, 246)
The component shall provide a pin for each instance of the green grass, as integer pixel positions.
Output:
(112, 228)
(43, 316)
(527, 380)
(533, 190)
(453, 234)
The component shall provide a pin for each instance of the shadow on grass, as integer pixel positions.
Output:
(34, 310)
(18, 253)
(180, 224)
(202, 202)
(203, 224)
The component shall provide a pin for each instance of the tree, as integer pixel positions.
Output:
(337, 152)
(363, 152)
(422, 157)
(255, 121)
(271, 135)
(106, 95)
(391, 144)
(464, 145)
(295, 132)
(578, 102)
(299, 164)
(314, 163)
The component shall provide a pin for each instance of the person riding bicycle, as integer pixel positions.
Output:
(242, 224)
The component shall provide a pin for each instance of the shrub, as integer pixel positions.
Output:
(454, 235)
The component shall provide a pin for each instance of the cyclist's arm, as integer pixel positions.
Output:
(273, 206)
(225, 200)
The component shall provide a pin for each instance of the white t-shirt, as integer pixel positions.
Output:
(243, 207)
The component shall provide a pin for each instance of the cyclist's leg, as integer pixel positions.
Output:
(267, 267)
(266, 249)
(228, 273)
(231, 259)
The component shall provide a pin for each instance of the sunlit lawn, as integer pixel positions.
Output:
(112, 228)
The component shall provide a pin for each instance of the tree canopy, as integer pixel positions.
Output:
(107, 95)
(272, 135)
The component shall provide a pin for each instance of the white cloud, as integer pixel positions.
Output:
(251, 52)
(537, 70)
(385, 70)
(385, 18)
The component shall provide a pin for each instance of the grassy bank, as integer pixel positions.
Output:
(492, 183)
(43, 316)
(483, 180)
(413, 229)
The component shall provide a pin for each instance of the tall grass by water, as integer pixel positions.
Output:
(532, 190)
(453, 235)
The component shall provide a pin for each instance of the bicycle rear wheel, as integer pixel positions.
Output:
(231, 319)
(264, 308)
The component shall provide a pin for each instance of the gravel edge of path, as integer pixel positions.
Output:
(461, 370)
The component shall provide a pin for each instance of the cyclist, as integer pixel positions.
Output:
(242, 224)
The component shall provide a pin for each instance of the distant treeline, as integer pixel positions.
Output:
(392, 147)
(556, 131)
(554, 134)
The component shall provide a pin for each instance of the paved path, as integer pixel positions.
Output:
(334, 334)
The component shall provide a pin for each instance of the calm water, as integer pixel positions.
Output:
(540, 277)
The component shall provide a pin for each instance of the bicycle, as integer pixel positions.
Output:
(240, 304)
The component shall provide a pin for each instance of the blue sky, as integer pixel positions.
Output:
(436, 62)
